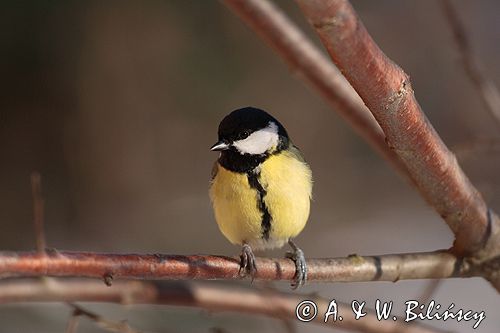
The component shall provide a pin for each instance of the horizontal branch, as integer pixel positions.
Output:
(392, 267)
(211, 297)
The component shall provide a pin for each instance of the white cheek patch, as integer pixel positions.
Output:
(260, 141)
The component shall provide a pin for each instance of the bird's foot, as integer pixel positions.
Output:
(300, 265)
(247, 265)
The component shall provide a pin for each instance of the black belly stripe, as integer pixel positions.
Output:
(253, 180)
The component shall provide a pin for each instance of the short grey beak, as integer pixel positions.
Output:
(219, 146)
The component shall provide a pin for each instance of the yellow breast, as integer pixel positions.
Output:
(288, 184)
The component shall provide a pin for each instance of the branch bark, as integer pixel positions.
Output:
(211, 297)
(392, 267)
(305, 59)
(387, 92)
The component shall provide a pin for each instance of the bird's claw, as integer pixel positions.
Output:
(298, 257)
(247, 265)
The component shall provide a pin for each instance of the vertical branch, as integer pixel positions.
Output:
(486, 89)
(387, 93)
(38, 211)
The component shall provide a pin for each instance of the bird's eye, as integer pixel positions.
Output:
(245, 134)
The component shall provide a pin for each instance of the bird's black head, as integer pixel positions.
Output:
(247, 136)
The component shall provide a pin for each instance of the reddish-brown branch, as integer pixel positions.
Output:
(387, 92)
(206, 296)
(308, 61)
(393, 267)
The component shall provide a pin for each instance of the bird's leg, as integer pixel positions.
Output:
(300, 265)
(247, 265)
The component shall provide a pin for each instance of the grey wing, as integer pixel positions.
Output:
(296, 153)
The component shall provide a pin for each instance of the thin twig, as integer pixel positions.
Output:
(490, 96)
(109, 325)
(354, 268)
(212, 297)
(38, 211)
(305, 59)
(73, 322)
(430, 289)
(387, 92)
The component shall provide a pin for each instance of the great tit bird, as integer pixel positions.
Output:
(261, 187)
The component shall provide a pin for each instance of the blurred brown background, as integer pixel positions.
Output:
(116, 103)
